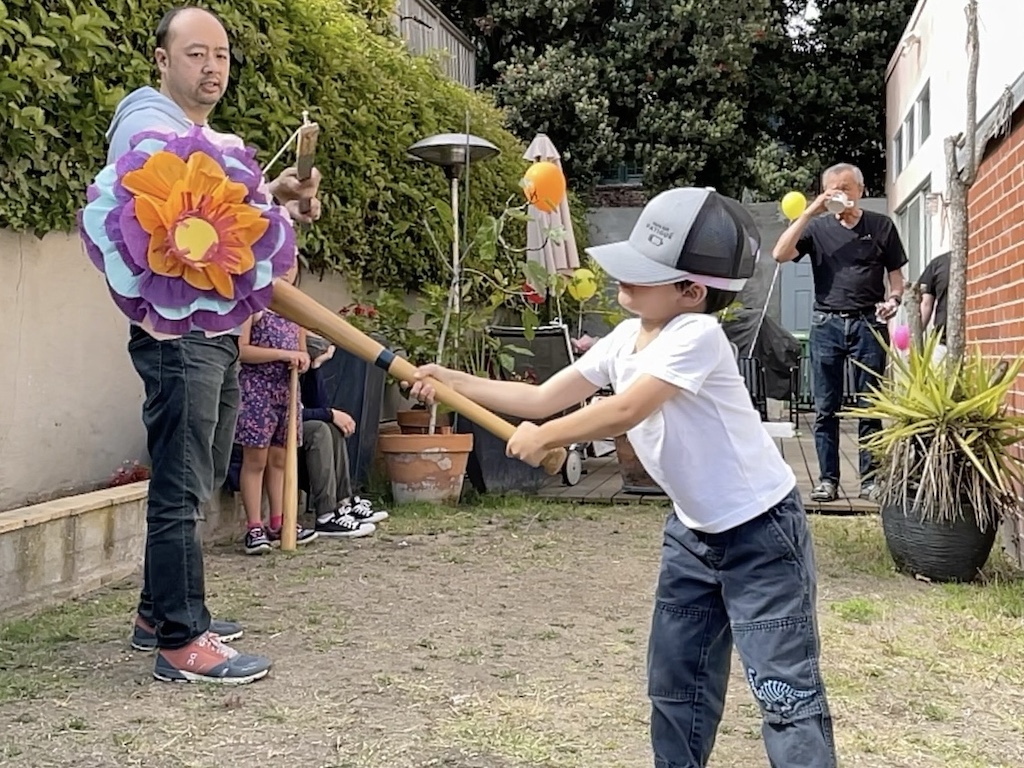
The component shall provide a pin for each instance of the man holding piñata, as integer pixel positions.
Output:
(190, 237)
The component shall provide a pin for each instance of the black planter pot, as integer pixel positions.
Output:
(942, 552)
(490, 470)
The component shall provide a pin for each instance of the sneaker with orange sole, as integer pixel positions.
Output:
(208, 660)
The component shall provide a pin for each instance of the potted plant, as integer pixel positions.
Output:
(948, 475)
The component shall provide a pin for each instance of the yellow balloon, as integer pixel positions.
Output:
(793, 205)
(583, 284)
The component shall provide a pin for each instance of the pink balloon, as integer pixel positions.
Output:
(901, 337)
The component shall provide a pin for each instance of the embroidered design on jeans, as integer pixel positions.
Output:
(777, 696)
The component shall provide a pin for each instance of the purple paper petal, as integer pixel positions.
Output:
(191, 142)
(134, 309)
(245, 176)
(128, 162)
(134, 243)
(112, 225)
(141, 136)
(91, 249)
(283, 258)
(166, 291)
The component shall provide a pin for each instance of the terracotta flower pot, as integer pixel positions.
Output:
(634, 477)
(417, 421)
(426, 467)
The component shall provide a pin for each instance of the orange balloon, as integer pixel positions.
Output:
(544, 186)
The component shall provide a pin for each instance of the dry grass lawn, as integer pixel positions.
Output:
(504, 636)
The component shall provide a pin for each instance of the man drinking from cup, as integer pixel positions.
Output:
(854, 254)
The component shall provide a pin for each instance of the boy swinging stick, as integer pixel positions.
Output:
(737, 558)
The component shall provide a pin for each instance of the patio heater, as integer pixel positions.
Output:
(453, 152)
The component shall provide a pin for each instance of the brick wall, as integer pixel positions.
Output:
(619, 196)
(995, 266)
(995, 273)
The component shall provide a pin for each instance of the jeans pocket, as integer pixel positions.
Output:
(787, 526)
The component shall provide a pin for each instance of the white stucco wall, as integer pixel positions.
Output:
(939, 58)
(70, 401)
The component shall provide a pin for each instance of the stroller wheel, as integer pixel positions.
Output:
(572, 471)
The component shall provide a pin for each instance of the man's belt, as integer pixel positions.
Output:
(849, 313)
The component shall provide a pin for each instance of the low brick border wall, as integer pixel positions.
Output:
(68, 547)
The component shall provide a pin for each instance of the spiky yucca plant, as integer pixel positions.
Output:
(946, 436)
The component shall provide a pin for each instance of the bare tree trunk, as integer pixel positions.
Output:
(956, 299)
(957, 185)
(912, 303)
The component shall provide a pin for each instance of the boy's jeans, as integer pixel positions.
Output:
(754, 584)
(190, 411)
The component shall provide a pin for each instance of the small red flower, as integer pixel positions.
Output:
(531, 295)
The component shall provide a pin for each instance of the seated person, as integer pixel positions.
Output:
(339, 513)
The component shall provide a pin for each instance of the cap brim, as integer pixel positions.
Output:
(625, 264)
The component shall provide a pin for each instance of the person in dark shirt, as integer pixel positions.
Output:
(934, 287)
(853, 254)
(339, 512)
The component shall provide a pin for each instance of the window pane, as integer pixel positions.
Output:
(897, 152)
(925, 113)
(911, 135)
(915, 235)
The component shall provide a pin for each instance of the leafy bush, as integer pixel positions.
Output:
(65, 64)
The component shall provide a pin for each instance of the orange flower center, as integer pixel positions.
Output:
(193, 238)
(201, 227)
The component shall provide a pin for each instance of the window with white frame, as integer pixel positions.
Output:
(897, 153)
(915, 130)
(915, 229)
(924, 113)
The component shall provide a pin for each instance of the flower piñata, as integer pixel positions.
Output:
(184, 235)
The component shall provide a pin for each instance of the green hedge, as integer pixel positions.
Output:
(337, 58)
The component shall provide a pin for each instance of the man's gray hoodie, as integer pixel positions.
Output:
(146, 109)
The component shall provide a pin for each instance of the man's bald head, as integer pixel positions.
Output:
(165, 29)
(194, 59)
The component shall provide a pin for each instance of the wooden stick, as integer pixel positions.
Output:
(290, 520)
(293, 304)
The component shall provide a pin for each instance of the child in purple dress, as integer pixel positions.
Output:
(269, 347)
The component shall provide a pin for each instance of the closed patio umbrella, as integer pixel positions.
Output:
(555, 257)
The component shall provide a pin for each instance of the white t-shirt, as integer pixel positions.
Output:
(706, 446)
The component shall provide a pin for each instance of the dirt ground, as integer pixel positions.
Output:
(503, 637)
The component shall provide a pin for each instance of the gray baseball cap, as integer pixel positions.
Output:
(686, 233)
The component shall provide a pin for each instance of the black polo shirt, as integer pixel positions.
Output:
(850, 264)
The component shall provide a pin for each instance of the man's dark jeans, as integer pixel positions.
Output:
(754, 585)
(834, 339)
(190, 411)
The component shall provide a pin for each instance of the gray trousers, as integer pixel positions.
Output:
(326, 455)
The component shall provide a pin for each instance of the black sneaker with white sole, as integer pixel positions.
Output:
(344, 527)
(302, 535)
(256, 541)
(363, 511)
